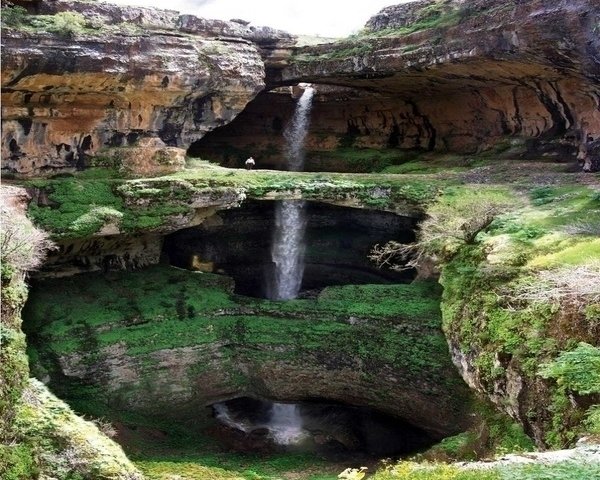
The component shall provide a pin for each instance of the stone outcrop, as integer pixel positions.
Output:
(446, 76)
(125, 75)
(170, 342)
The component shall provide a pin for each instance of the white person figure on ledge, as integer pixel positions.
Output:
(250, 163)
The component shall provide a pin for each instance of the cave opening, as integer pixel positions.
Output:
(338, 240)
(332, 430)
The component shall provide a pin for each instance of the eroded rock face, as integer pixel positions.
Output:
(169, 342)
(238, 242)
(135, 73)
(445, 76)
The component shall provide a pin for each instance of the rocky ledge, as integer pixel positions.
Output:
(81, 77)
(444, 76)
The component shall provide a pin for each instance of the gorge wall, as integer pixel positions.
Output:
(136, 90)
(445, 76)
(135, 76)
(438, 75)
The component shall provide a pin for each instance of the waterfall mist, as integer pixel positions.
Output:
(287, 251)
(283, 422)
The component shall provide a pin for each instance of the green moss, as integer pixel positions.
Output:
(17, 462)
(143, 311)
(51, 440)
(567, 470)
(408, 470)
(439, 15)
(577, 370)
(370, 326)
(74, 205)
(79, 206)
(582, 252)
(488, 308)
(364, 160)
(456, 447)
(14, 369)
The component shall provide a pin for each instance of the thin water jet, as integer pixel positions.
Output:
(287, 251)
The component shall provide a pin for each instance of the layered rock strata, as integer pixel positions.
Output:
(447, 76)
(126, 74)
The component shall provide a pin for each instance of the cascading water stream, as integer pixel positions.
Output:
(295, 132)
(287, 251)
(284, 424)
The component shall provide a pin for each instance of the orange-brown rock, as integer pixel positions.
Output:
(442, 75)
(131, 73)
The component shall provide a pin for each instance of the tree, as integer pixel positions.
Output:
(22, 245)
(456, 219)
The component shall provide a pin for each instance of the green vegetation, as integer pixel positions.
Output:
(167, 308)
(49, 439)
(566, 470)
(13, 17)
(364, 160)
(438, 16)
(575, 371)
(67, 24)
(22, 248)
(162, 307)
(440, 164)
(81, 205)
(504, 299)
(492, 434)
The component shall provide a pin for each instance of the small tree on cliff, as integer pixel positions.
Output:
(454, 220)
(22, 245)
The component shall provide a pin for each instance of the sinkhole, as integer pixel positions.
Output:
(337, 241)
(334, 430)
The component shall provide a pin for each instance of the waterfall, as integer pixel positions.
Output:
(285, 424)
(223, 414)
(287, 251)
(295, 132)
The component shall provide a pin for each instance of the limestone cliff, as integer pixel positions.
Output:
(445, 76)
(116, 75)
(169, 342)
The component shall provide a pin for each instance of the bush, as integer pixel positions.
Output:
(17, 462)
(68, 23)
(22, 245)
(13, 16)
(453, 221)
(577, 370)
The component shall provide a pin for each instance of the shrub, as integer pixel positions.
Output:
(68, 23)
(22, 245)
(453, 221)
(592, 421)
(13, 16)
(577, 370)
